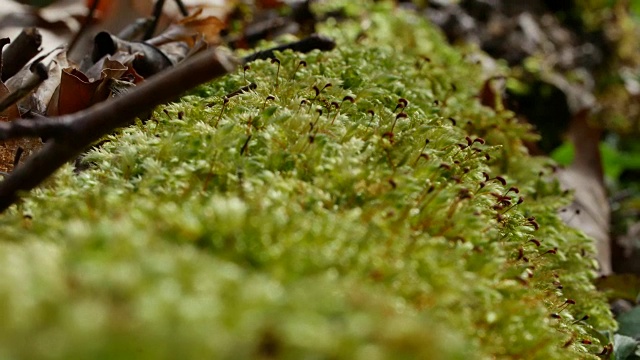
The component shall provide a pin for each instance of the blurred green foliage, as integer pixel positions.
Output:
(614, 161)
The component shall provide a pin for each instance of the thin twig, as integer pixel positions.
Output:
(87, 22)
(313, 42)
(155, 17)
(77, 131)
(183, 9)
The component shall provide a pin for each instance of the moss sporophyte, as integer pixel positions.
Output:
(344, 204)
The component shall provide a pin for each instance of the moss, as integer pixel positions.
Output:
(242, 231)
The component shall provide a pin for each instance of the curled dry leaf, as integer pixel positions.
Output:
(79, 90)
(149, 59)
(108, 67)
(39, 99)
(175, 51)
(76, 92)
(97, 70)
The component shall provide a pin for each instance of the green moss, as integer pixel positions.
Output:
(247, 233)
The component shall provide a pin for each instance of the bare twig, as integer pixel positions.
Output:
(313, 42)
(23, 48)
(75, 132)
(258, 31)
(40, 74)
(157, 12)
(151, 60)
(87, 22)
(183, 9)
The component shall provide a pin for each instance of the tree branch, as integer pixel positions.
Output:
(43, 127)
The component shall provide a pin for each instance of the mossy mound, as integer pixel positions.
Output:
(292, 223)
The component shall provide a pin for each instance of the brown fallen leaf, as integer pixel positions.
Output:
(175, 51)
(78, 91)
(492, 92)
(590, 211)
(96, 70)
(107, 67)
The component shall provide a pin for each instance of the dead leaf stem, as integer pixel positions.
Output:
(155, 17)
(183, 9)
(85, 25)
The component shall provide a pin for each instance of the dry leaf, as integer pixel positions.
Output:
(79, 90)
(190, 29)
(148, 60)
(11, 112)
(492, 92)
(590, 211)
(39, 99)
(106, 67)
(75, 93)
